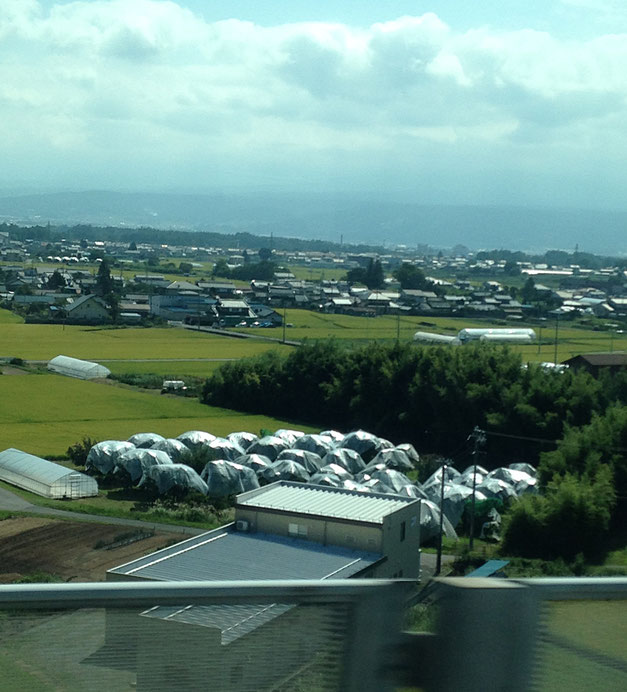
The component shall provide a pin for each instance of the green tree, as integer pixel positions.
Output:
(572, 516)
(356, 275)
(265, 253)
(374, 278)
(221, 268)
(104, 280)
(56, 280)
(411, 277)
(186, 267)
(262, 271)
(528, 292)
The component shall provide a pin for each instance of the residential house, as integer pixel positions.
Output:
(88, 308)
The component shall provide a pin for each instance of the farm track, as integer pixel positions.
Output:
(13, 503)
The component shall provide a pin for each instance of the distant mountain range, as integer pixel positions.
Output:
(334, 218)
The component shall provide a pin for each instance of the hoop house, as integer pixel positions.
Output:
(73, 367)
(43, 477)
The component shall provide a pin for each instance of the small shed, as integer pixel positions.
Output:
(44, 477)
(594, 363)
(73, 367)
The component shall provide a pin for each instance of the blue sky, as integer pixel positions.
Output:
(448, 102)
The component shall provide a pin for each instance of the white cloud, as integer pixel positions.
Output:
(116, 80)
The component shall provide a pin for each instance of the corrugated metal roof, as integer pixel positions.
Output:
(225, 554)
(33, 467)
(338, 503)
(233, 621)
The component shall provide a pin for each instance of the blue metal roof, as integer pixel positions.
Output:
(225, 554)
(489, 568)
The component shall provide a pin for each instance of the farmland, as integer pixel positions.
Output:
(8, 317)
(44, 414)
(45, 341)
(315, 326)
(168, 369)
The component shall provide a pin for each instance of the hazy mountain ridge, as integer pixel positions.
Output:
(332, 218)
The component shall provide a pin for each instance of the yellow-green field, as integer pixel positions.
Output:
(44, 414)
(8, 317)
(588, 651)
(317, 326)
(45, 341)
(168, 369)
(312, 273)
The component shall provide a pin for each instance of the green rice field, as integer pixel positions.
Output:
(584, 648)
(8, 317)
(44, 414)
(168, 369)
(316, 326)
(45, 341)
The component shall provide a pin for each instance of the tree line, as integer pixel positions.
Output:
(570, 424)
(430, 396)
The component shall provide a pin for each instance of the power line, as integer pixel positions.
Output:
(555, 442)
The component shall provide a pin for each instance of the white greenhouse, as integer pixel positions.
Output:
(475, 334)
(73, 367)
(44, 477)
(433, 338)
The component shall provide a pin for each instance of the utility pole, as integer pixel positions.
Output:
(284, 318)
(539, 338)
(438, 565)
(478, 437)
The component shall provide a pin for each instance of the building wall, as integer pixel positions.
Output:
(346, 534)
(89, 310)
(401, 543)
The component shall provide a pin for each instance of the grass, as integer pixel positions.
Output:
(44, 414)
(8, 317)
(593, 628)
(316, 326)
(45, 341)
(168, 369)
(123, 503)
(312, 273)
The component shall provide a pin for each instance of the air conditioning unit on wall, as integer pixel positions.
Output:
(242, 525)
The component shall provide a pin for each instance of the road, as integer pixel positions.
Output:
(14, 503)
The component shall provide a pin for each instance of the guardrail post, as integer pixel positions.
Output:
(376, 620)
(487, 634)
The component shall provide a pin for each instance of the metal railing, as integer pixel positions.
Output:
(313, 636)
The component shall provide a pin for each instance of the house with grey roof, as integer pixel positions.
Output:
(89, 308)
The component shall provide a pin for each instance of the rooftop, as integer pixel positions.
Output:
(228, 555)
(35, 468)
(323, 501)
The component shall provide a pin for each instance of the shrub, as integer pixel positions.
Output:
(572, 517)
(77, 453)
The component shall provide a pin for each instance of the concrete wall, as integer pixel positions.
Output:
(401, 543)
(346, 534)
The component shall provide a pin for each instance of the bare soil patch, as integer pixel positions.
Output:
(8, 370)
(67, 549)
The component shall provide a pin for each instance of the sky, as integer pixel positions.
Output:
(493, 102)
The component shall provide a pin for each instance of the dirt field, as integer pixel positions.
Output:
(67, 549)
